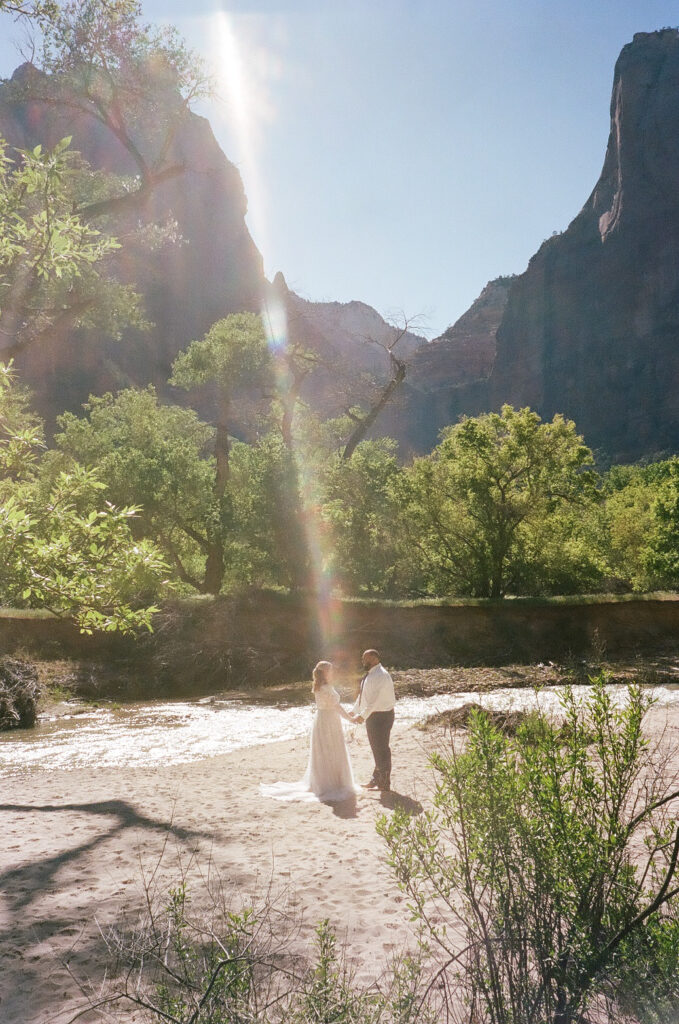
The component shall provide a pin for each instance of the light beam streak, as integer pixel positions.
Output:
(247, 111)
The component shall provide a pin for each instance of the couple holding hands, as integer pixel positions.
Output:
(329, 776)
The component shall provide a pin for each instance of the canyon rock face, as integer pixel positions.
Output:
(212, 270)
(591, 329)
(351, 343)
(466, 351)
(449, 376)
(215, 269)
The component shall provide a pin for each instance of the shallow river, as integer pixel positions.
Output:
(175, 732)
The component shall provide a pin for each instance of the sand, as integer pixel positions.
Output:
(76, 846)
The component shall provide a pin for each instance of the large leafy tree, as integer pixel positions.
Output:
(55, 267)
(232, 356)
(361, 509)
(101, 60)
(161, 458)
(661, 557)
(65, 548)
(640, 519)
(473, 508)
(149, 455)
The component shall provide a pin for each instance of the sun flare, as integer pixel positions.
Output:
(241, 71)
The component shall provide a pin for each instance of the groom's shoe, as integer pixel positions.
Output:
(373, 784)
(384, 784)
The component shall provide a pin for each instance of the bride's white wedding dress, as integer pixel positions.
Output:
(328, 775)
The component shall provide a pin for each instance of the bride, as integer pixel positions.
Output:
(328, 775)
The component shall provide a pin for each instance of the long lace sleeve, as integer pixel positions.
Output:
(328, 699)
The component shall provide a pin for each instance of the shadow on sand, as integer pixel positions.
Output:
(23, 884)
(343, 808)
(397, 801)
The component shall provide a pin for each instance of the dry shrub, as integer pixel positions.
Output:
(19, 692)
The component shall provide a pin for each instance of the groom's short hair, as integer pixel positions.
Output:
(373, 652)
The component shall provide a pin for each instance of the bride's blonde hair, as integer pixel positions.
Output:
(320, 675)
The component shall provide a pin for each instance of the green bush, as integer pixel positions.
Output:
(532, 850)
(216, 965)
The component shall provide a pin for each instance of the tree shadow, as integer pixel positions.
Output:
(393, 801)
(30, 977)
(22, 885)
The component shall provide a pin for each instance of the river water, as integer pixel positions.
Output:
(175, 732)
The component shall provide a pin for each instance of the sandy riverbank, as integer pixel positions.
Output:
(76, 843)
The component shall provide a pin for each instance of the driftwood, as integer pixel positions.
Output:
(19, 692)
(458, 718)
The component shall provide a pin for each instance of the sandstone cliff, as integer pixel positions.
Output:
(591, 329)
(466, 351)
(350, 340)
(214, 269)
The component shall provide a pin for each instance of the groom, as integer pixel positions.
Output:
(375, 707)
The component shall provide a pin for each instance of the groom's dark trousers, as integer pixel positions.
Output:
(378, 726)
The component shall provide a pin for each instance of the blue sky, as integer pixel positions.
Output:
(404, 152)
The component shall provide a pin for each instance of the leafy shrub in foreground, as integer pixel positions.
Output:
(554, 853)
(217, 965)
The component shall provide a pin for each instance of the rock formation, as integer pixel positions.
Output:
(591, 329)
(351, 341)
(449, 376)
(215, 269)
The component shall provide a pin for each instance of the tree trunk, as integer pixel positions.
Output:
(364, 425)
(214, 565)
(214, 568)
(497, 580)
(222, 449)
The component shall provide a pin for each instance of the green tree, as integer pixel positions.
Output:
(136, 81)
(360, 506)
(149, 455)
(66, 548)
(661, 558)
(232, 356)
(161, 458)
(55, 268)
(268, 546)
(629, 493)
(547, 869)
(470, 506)
(641, 518)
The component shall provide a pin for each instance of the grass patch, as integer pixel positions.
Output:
(510, 601)
(28, 613)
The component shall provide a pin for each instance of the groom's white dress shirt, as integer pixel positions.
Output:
(377, 693)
